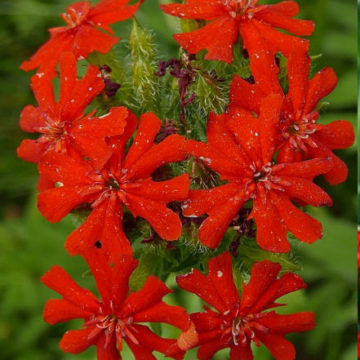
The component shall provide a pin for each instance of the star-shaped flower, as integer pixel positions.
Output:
(241, 149)
(118, 315)
(124, 180)
(62, 125)
(236, 321)
(302, 136)
(254, 23)
(87, 30)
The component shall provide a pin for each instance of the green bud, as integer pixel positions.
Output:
(145, 82)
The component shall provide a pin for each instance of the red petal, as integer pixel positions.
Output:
(31, 150)
(217, 37)
(60, 281)
(89, 134)
(298, 66)
(287, 154)
(202, 201)
(279, 347)
(246, 129)
(171, 149)
(112, 276)
(216, 160)
(104, 225)
(336, 135)
(69, 169)
(61, 310)
(89, 39)
(271, 230)
(203, 287)
(44, 92)
(164, 221)
(213, 229)
(244, 95)
(338, 172)
(150, 294)
(111, 11)
(176, 189)
(124, 266)
(207, 351)
(54, 204)
(150, 342)
(279, 41)
(118, 144)
(221, 275)
(84, 91)
(222, 139)
(321, 85)
(269, 118)
(307, 191)
(206, 323)
(68, 72)
(195, 10)
(107, 350)
(279, 20)
(77, 341)
(304, 169)
(302, 225)
(287, 8)
(263, 274)
(31, 119)
(149, 126)
(260, 57)
(287, 283)
(140, 352)
(285, 324)
(164, 313)
(241, 352)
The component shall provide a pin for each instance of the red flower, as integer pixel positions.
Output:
(236, 322)
(241, 149)
(302, 137)
(255, 23)
(63, 125)
(83, 34)
(116, 316)
(124, 180)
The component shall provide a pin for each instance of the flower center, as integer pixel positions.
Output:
(53, 133)
(72, 17)
(299, 132)
(265, 178)
(238, 8)
(111, 325)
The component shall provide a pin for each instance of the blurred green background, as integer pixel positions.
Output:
(29, 245)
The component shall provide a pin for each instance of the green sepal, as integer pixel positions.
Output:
(147, 266)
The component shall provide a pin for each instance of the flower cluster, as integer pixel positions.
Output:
(262, 154)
